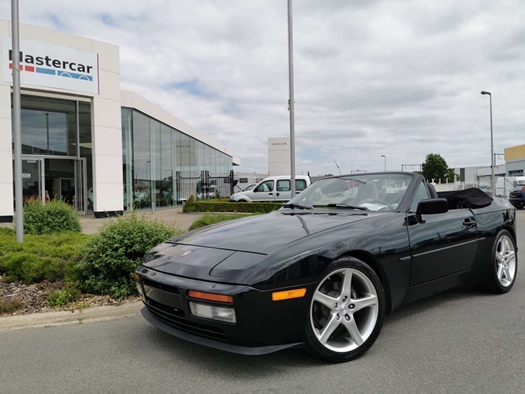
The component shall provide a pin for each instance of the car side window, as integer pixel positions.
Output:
(265, 187)
(421, 194)
(300, 185)
(283, 185)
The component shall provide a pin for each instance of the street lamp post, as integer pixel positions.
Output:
(491, 146)
(384, 156)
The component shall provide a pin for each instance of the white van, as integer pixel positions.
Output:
(273, 188)
(504, 185)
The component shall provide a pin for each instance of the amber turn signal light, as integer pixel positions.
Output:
(288, 294)
(210, 296)
(136, 276)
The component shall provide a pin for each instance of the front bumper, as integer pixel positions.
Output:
(263, 326)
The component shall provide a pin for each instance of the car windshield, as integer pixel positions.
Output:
(373, 192)
(249, 187)
(518, 188)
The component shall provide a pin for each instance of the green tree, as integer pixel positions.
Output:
(435, 168)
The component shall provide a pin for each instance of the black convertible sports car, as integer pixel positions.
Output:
(324, 269)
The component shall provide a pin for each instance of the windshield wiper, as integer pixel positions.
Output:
(294, 205)
(347, 206)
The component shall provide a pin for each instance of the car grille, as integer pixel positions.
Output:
(176, 317)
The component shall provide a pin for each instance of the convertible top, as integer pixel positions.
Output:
(468, 198)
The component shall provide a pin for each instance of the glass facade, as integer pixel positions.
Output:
(163, 166)
(57, 150)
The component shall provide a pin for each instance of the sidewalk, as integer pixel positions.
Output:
(90, 225)
(173, 216)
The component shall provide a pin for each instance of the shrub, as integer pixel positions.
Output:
(212, 219)
(49, 257)
(54, 216)
(226, 206)
(9, 306)
(63, 297)
(110, 257)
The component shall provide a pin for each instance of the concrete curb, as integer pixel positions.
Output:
(89, 315)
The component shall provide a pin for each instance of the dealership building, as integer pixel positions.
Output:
(86, 141)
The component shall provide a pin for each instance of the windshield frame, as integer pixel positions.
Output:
(394, 192)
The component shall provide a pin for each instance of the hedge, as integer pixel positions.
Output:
(193, 205)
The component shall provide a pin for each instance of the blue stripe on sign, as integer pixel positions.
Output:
(45, 71)
(75, 75)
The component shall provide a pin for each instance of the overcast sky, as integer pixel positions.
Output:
(400, 78)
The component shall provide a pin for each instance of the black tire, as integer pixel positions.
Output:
(345, 317)
(503, 264)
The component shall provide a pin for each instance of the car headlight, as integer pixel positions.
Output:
(213, 312)
(141, 292)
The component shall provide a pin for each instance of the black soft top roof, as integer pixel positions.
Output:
(468, 198)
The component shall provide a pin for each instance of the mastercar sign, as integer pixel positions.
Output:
(52, 66)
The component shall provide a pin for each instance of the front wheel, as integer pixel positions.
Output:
(503, 264)
(346, 311)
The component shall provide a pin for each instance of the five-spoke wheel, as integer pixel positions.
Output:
(346, 311)
(504, 264)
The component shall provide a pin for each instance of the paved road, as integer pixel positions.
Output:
(457, 342)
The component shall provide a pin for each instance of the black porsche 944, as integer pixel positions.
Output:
(323, 270)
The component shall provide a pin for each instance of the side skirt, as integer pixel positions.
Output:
(436, 286)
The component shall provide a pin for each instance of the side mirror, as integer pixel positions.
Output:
(432, 206)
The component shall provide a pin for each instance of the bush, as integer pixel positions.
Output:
(51, 257)
(54, 216)
(110, 257)
(213, 219)
(63, 297)
(226, 206)
(10, 305)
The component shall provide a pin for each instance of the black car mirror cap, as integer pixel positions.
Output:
(432, 206)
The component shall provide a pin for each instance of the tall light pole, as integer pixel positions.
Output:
(384, 156)
(491, 147)
(17, 120)
(291, 101)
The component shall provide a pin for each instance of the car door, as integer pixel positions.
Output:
(283, 190)
(263, 192)
(441, 244)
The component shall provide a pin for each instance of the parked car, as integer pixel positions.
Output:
(504, 185)
(273, 188)
(517, 196)
(323, 271)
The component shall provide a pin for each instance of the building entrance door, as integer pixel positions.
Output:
(32, 179)
(63, 179)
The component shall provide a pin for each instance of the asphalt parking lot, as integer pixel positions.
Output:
(460, 341)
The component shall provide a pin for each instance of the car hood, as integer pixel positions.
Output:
(242, 243)
(265, 233)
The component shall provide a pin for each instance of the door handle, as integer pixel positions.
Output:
(469, 222)
(277, 194)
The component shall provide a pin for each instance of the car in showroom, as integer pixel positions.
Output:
(322, 271)
(517, 196)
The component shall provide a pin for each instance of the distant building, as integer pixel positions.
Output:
(279, 162)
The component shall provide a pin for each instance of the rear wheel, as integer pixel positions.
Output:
(504, 264)
(346, 311)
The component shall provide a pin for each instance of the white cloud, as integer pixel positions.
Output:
(393, 77)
